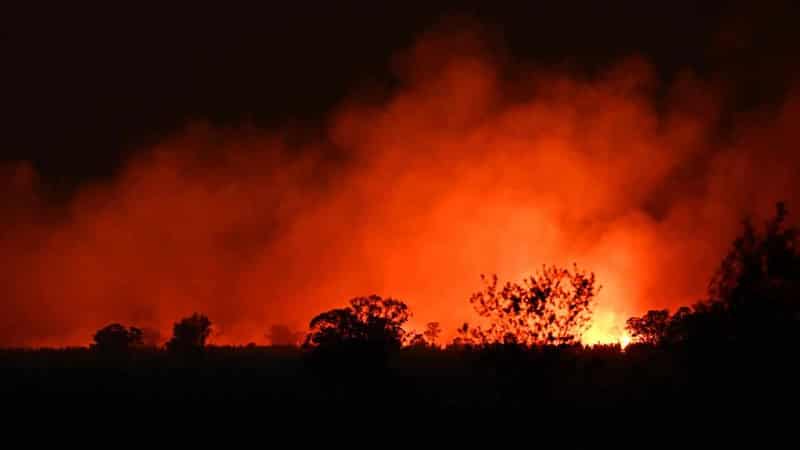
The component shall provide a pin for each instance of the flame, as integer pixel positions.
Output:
(624, 340)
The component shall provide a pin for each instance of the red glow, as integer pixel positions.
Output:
(458, 173)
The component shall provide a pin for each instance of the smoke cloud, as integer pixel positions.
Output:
(470, 165)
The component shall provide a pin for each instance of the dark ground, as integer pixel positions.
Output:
(540, 381)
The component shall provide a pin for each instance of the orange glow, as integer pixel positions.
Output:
(456, 173)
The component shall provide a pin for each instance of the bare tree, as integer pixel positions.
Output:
(551, 307)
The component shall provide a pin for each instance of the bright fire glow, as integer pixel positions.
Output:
(453, 174)
(624, 340)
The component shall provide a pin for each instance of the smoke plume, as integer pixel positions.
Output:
(471, 164)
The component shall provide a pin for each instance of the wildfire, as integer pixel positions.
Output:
(412, 194)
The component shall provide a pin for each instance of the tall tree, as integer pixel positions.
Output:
(757, 285)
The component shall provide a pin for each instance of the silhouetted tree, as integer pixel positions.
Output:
(116, 339)
(757, 286)
(552, 307)
(432, 332)
(651, 328)
(372, 320)
(351, 345)
(466, 336)
(753, 296)
(679, 324)
(190, 334)
(416, 340)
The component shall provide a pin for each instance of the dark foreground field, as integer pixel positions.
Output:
(642, 378)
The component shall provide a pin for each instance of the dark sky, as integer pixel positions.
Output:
(82, 87)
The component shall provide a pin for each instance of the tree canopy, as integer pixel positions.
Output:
(375, 320)
(117, 339)
(190, 334)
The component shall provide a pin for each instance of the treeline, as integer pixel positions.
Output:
(738, 344)
(752, 299)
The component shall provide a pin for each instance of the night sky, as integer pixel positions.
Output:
(82, 87)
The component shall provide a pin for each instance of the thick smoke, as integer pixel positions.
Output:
(471, 165)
